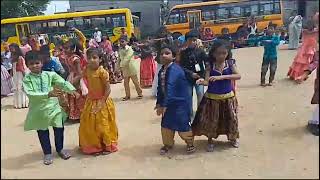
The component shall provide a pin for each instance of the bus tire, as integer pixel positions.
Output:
(176, 35)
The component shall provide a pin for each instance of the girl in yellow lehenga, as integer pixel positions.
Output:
(98, 132)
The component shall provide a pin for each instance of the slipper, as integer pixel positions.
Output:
(48, 159)
(140, 96)
(125, 98)
(191, 149)
(164, 150)
(235, 143)
(64, 154)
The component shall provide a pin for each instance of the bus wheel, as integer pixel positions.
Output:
(176, 35)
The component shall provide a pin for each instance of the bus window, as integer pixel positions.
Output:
(7, 30)
(35, 27)
(235, 12)
(174, 18)
(98, 22)
(208, 13)
(222, 13)
(183, 16)
(276, 9)
(266, 8)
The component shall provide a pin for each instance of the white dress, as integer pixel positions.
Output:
(20, 99)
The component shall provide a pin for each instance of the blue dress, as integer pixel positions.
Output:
(173, 94)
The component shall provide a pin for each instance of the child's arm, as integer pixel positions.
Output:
(28, 89)
(235, 74)
(205, 81)
(61, 83)
(275, 40)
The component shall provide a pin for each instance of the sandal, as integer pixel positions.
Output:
(235, 143)
(210, 147)
(47, 159)
(125, 98)
(64, 154)
(164, 150)
(140, 96)
(105, 153)
(191, 149)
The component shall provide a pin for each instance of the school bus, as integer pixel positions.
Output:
(229, 14)
(109, 22)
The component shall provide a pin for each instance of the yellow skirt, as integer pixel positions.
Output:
(98, 132)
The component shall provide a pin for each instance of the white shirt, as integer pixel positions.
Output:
(97, 36)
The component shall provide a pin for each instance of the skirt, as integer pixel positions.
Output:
(148, 68)
(299, 65)
(216, 117)
(75, 106)
(98, 132)
(6, 82)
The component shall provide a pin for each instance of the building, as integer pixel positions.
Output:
(149, 10)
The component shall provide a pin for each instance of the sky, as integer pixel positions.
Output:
(59, 5)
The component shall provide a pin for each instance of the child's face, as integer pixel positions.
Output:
(192, 42)
(93, 61)
(123, 43)
(35, 66)
(220, 54)
(269, 32)
(166, 56)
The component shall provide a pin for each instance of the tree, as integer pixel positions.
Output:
(21, 8)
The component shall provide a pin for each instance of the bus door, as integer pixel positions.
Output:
(23, 30)
(194, 18)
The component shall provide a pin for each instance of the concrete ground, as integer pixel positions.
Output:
(274, 142)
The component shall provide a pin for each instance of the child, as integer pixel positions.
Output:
(76, 63)
(217, 112)
(148, 66)
(270, 43)
(305, 52)
(19, 70)
(128, 68)
(98, 132)
(44, 108)
(173, 102)
(6, 81)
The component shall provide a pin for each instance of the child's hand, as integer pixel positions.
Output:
(215, 78)
(161, 111)
(75, 94)
(55, 93)
(200, 81)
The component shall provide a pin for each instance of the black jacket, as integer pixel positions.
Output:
(189, 58)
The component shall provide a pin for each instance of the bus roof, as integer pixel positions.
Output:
(180, 6)
(63, 15)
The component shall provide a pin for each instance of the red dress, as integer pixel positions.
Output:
(75, 105)
(305, 54)
(148, 69)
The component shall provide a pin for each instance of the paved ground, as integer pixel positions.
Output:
(272, 120)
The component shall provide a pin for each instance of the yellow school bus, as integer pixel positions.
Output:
(229, 14)
(109, 22)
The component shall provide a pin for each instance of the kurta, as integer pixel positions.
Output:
(127, 63)
(98, 132)
(295, 28)
(44, 111)
(172, 94)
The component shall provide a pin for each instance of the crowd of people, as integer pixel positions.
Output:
(73, 82)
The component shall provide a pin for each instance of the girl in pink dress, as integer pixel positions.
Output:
(305, 52)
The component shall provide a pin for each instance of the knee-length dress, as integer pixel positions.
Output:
(217, 112)
(98, 132)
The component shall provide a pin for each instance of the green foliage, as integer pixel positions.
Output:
(21, 8)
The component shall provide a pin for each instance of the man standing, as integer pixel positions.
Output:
(129, 71)
(193, 61)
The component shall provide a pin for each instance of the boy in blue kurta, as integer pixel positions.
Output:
(44, 109)
(173, 102)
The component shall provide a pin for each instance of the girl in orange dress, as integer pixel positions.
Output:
(305, 52)
(76, 63)
(98, 132)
